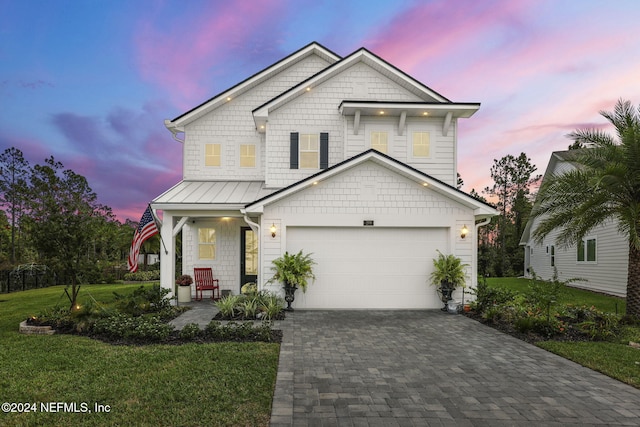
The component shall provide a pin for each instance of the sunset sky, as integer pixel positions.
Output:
(91, 82)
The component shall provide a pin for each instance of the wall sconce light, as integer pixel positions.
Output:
(464, 231)
(273, 230)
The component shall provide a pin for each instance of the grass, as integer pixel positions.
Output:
(156, 385)
(614, 358)
(570, 295)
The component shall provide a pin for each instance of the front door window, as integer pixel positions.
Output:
(248, 256)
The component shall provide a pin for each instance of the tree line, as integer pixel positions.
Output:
(50, 216)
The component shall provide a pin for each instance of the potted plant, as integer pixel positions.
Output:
(448, 274)
(293, 271)
(184, 288)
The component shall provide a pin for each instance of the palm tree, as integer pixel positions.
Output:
(605, 186)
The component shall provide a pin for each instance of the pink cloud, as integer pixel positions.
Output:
(183, 55)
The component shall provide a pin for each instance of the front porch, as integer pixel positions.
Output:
(226, 243)
(203, 225)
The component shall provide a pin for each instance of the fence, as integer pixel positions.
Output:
(27, 276)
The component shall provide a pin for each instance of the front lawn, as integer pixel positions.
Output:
(152, 385)
(613, 357)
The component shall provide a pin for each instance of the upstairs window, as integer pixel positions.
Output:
(379, 141)
(247, 156)
(421, 144)
(587, 250)
(212, 155)
(309, 150)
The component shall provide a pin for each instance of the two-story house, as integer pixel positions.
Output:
(349, 159)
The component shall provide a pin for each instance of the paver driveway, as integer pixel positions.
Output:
(387, 368)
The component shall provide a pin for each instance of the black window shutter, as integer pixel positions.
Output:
(293, 153)
(324, 150)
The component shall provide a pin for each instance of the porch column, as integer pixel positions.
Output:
(168, 258)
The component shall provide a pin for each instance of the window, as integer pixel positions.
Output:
(587, 250)
(207, 243)
(248, 156)
(212, 154)
(309, 152)
(379, 141)
(553, 255)
(421, 144)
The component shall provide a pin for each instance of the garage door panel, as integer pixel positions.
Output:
(369, 267)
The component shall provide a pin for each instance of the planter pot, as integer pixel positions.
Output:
(467, 308)
(184, 293)
(289, 296)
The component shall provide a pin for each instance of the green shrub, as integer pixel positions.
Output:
(227, 305)
(142, 276)
(122, 326)
(487, 297)
(190, 331)
(272, 306)
(143, 300)
(213, 330)
(249, 307)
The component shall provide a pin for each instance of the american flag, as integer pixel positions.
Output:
(146, 229)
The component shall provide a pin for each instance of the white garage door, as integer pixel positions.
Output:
(386, 268)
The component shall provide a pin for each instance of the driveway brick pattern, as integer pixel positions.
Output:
(424, 368)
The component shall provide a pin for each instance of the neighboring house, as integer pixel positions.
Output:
(346, 158)
(600, 260)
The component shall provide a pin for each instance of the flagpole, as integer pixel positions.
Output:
(156, 220)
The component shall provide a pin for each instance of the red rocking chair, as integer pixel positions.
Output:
(203, 278)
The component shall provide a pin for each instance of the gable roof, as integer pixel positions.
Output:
(177, 124)
(363, 55)
(481, 209)
(556, 157)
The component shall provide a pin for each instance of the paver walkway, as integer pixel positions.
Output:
(424, 368)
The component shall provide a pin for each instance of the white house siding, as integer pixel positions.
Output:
(368, 191)
(226, 266)
(441, 162)
(608, 274)
(232, 125)
(317, 111)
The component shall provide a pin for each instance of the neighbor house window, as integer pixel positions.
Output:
(587, 250)
(420, 144)
(212, 155)
(248, 156)
(207, 243)
(379, 141)
(552, 252)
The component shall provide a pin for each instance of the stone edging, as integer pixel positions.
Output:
(35, 330)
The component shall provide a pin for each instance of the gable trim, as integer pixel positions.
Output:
(256, 78)
(261, 113)
(481, 208)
